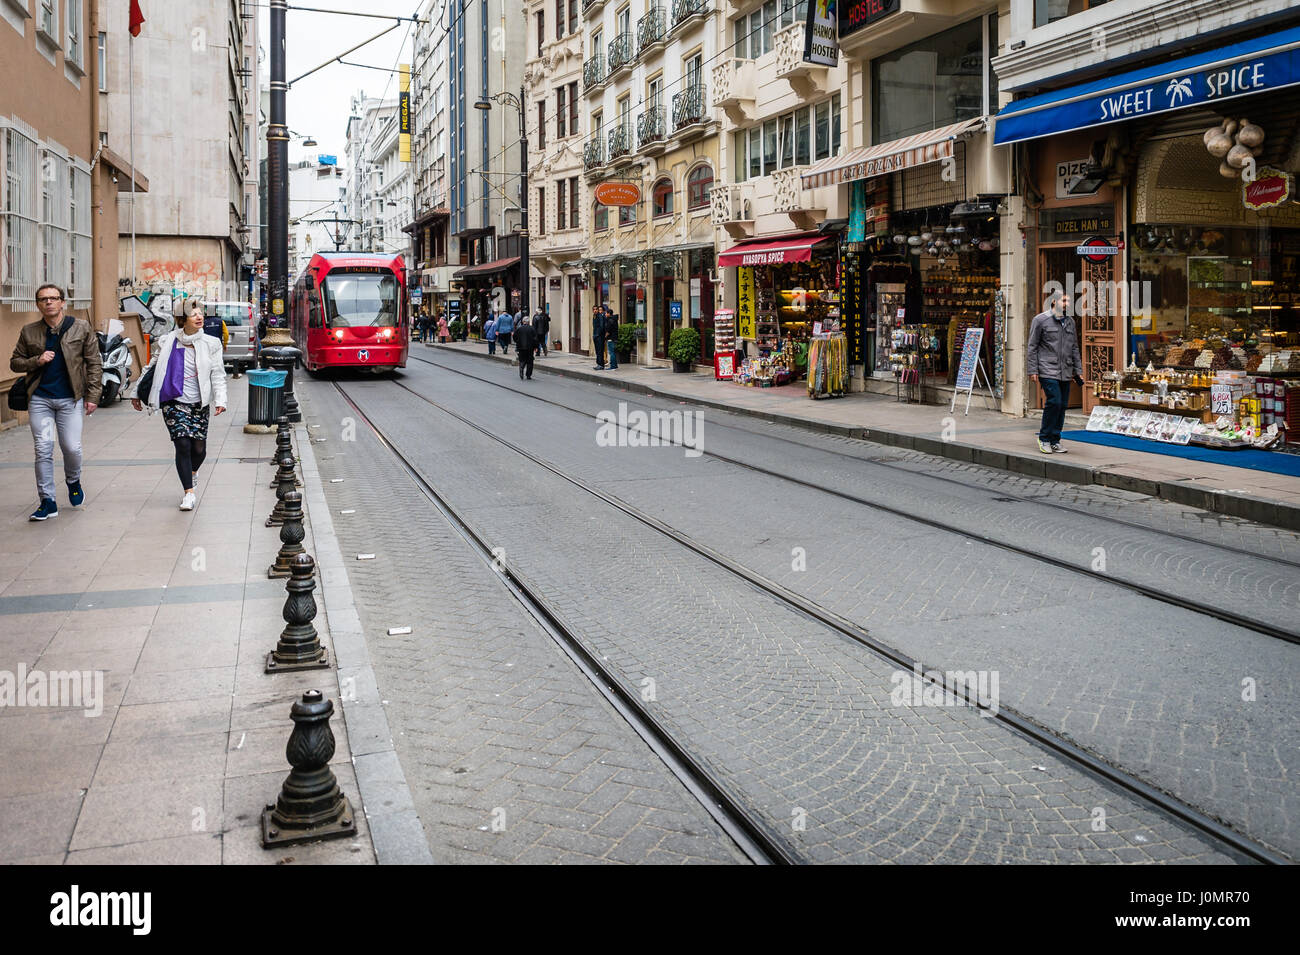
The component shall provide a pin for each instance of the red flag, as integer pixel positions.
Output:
(137, 18)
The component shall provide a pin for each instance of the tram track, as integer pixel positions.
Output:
(766, 845)
(1205, 609)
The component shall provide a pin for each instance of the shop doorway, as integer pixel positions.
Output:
(1063, 266)
(629, 302)
(663, 313)
(575, 316)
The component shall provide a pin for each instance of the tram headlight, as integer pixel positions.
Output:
(338, 334)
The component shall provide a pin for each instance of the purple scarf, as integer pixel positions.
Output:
(173, 385)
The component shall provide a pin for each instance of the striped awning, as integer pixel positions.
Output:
(934, 145)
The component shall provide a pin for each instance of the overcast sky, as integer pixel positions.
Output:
(319, 105)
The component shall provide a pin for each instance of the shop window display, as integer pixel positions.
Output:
(793, 303)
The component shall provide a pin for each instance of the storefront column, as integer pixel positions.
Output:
(1021, 306)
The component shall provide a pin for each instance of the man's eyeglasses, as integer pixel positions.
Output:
(50, 298)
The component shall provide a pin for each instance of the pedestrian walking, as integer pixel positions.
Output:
(611, 337)
(1053, 361)
(192, 382)
(490, 333)
(525, 346)
(598, 335)
(442, 329)
(59, 355)
(505, 326)
(542, 322)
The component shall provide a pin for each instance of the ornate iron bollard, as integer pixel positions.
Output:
(284, 483)
(299, 645)
(291, 536)
(310, 805)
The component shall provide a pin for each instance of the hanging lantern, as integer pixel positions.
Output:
(927, 236)
(914, 240)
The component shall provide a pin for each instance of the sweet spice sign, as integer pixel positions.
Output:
(1271, 188)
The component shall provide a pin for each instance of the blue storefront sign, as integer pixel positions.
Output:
(1204, 79)
(675, 310)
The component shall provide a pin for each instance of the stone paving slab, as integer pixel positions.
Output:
(175, 613)
(982, 436)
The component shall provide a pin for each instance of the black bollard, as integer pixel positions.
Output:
(283, 444)
(310, 805)
(284, 484)
(291, 535)
(299, 646)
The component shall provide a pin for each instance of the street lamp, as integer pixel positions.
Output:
(517, 102)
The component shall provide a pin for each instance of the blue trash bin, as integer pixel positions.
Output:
(265, 396)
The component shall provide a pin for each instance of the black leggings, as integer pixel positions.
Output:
(190, 454)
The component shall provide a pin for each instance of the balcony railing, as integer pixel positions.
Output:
(688, 107)
(683, 10)
(588, 5)
(593, 151)
(621, 53)
(650, 29)
(620, 140)
(651, 126)
(593, 72)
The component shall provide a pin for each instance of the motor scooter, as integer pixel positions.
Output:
(115, 352)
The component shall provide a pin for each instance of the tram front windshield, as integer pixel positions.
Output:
(360, 299)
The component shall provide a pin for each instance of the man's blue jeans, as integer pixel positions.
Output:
(1057, 395)
(59, 418)
(612, 343)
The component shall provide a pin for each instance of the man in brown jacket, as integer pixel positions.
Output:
(60, 357)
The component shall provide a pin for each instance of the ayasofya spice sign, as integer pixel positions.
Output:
(857, 14)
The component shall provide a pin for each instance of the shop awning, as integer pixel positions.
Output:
(795, 248)
(1203, 79)
(933, 145)
(499, 265)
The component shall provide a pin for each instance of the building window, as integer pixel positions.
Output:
(573, 108)
(72, 52)
(541, 210)
(48, 23)
(600, 217)
(18, 273)
(560, 113)
(541, 124)
(559, 18)
(573, 203)
(573, 16)
(80, 271)
(541, 30)
(1049, 11)
(101, 61)
(698, 186)
(662, 198)
(561, 204)
(55, 212)
(626, 215)
(935, 82)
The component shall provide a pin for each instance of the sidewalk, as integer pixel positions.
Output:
(175, 613)
(983, 437)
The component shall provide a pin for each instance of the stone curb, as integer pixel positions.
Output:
(395, 832)
(1247, 506)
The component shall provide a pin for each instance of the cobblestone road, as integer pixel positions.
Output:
(510, 754)
(1150, 687)
(795, 718)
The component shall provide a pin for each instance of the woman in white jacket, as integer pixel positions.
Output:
(189, 379)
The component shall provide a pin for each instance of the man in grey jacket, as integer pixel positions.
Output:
(1053, 361)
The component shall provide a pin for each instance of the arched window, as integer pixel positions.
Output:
(662, 198)
(626, 215)
(698, 186)
(600, 217)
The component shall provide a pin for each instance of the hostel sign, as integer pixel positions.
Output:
(1205, 79)
(857, 14)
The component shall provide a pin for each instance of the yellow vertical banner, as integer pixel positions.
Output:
(404, 117)
(745, 302)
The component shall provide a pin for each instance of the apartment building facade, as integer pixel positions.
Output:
(651, 126)
(58, 205)
(364, 210)
(427, 226)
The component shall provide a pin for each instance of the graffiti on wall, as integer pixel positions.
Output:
(180, 272)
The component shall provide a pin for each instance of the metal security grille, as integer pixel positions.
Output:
(80, 272)
(56, 210)
(18, 280)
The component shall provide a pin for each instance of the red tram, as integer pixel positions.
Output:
(349, 310)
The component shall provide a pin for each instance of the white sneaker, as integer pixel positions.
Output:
(187, 502)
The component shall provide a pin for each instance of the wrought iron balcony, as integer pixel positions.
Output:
(620, 141)
(621, 53)
(593, 151)
(688, 107)
(650, 29)
(683, 10)
(651, 126)
(593, 72)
